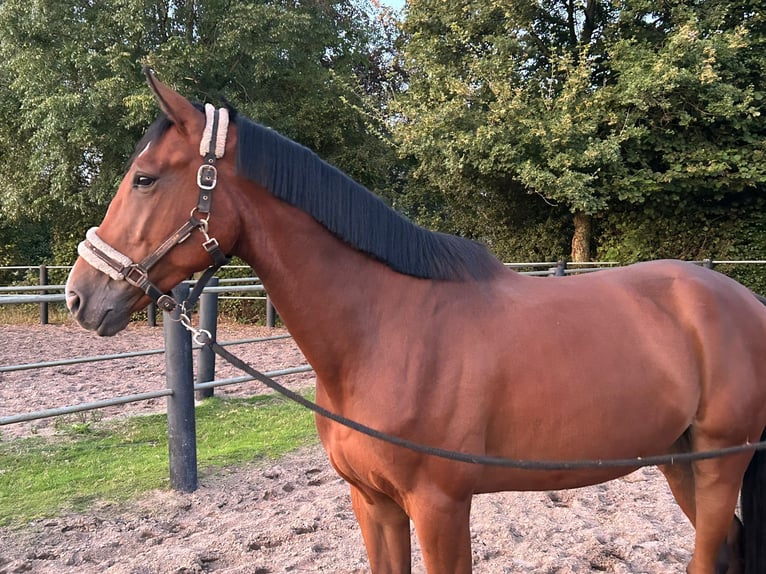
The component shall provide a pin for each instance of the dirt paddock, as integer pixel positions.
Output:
(294, 514)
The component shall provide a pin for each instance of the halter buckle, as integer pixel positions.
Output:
(137, 276)
(207, 177)
(210, 244)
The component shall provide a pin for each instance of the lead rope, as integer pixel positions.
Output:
(204, 338)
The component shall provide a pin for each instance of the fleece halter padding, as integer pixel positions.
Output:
(205, 146)
(96, 261)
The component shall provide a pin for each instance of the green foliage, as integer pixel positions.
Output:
(73, 101)
(724, 231)
(747, 242)
(28, 241)
(509, 116)
(117, 460)
(240, 309)
(593, 106)
(631, 235)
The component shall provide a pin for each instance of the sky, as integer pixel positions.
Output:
(396, 4)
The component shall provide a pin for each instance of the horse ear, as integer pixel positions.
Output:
(182, 113)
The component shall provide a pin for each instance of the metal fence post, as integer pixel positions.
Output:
(208, 320)
(182, 439)
(707, 263)
(271, 313)
(561, 268)
(43, 306)
(151, 314)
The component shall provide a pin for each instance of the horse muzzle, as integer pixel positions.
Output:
(97, 302)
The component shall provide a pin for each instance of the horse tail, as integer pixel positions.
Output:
(753, 502)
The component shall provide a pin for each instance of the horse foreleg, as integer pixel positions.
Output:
(442, 526)
(385, 530)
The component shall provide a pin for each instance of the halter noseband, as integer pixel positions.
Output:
(119, 266)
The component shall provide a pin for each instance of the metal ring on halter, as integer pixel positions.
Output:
(202, 223)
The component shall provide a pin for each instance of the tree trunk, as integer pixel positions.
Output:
(581, 237)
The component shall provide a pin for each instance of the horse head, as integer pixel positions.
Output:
(163, 210)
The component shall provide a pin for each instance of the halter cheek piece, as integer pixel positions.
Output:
(118, 266)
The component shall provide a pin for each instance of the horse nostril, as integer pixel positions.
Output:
(72, 301)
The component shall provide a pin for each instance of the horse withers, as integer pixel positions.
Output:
(428, 337)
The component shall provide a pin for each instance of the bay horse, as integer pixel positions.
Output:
(428, 336)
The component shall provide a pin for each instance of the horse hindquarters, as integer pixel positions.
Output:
(754, 513)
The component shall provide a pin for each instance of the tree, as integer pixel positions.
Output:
(73, 101)
(586, 105)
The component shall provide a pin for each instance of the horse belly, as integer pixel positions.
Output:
(603, 407)
(501, 479)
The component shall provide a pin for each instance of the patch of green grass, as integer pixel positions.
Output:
(115, 461)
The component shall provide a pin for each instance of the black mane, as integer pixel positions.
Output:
(299, 177)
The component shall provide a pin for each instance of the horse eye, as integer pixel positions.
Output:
(143, 181)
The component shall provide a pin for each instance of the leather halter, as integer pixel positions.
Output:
(118, 266)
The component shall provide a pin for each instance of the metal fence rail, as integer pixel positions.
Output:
(83, 407)
(236, 287)
(126, 399)
(126, 355)
(180, 389)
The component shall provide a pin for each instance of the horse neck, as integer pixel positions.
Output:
(328, 294)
